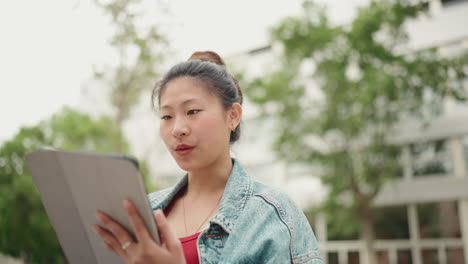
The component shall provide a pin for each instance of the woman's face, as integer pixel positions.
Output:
(194, 125)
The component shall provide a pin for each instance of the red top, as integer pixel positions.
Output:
(189, 244)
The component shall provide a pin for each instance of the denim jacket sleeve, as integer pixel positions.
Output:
(273, 229)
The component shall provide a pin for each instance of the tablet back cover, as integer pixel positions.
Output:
(73, 185)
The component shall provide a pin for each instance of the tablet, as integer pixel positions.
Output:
(74, 185)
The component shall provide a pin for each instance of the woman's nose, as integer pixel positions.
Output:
(180, 128)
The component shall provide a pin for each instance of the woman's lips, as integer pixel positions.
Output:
(185, 150)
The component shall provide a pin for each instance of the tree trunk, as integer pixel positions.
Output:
(367, 232)
(26, 257)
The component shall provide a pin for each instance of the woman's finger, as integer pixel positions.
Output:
(138, 224)
(109, 240)
(165, 230)
(120, 233)
(109, 247)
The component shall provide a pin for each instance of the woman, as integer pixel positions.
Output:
(216, 213)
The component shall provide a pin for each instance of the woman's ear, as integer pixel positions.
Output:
(235, 115)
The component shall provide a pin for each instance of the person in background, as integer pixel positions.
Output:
(216, 213)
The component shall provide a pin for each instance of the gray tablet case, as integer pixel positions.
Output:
(73, 185)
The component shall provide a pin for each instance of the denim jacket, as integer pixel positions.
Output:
(255, 224)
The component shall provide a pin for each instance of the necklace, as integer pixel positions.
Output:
(211, 212)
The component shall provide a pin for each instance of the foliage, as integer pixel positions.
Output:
(139, 51)
(368, 81)
(26, 232)
(25, 229)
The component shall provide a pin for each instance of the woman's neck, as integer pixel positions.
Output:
(210, 180)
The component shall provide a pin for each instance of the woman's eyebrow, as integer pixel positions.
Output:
(188, 101)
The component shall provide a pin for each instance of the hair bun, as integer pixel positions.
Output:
(212, 56)
(207, 56)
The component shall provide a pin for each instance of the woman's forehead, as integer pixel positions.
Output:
(181, 103)
(182, 91)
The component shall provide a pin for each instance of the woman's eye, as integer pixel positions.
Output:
(166, 117)
(193, 111)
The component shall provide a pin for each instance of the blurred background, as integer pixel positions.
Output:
(356, 109)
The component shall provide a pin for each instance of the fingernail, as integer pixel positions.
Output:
(159, 212)
(126, 203)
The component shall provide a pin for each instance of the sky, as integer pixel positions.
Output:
(38, 71)
(48, 48)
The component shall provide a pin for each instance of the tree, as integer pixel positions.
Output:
(368, 82)
(26, 232)
(139, 51)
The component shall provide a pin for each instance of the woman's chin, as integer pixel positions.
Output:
(185, 164)
(191, 164)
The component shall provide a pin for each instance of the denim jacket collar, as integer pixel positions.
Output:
(237, 192)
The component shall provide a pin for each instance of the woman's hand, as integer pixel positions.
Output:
(144, 249)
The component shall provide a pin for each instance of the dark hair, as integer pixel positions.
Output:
(208, 67)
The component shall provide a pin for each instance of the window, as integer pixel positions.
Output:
(426, 4)
(404, 256)
(431, 158)
(391, 222)
(439, 220)
(455, 255)
(432, 106)
(429, 255)
(451, 2)
(353, 257)
(333, 258)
